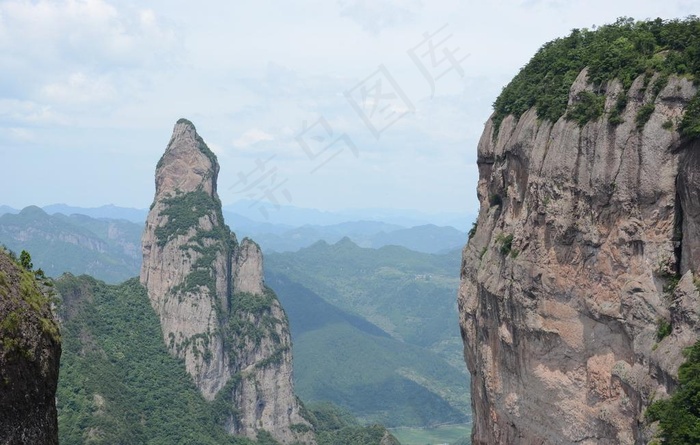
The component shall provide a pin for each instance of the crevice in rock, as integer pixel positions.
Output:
(678, 232)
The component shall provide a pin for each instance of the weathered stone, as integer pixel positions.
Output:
(194, 270)
(247, 269)
(560, 328)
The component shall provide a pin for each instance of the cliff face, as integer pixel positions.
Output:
(30, 349)
(208, 291)
(570, 275)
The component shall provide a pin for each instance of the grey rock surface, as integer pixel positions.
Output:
(195, 271)
(580, 231)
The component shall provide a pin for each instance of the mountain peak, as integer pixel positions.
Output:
(346, 241)
(187, 165)
(34, 212)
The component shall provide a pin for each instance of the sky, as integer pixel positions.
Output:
(321, 104)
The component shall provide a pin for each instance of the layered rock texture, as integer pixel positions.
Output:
(208, 291)
(30, 350)
(578, 289)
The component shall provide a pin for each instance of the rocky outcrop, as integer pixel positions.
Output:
(247, 268)
(30, 350)
(215, 312)
(570, 276)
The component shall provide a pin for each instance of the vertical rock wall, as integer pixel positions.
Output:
(581, 236)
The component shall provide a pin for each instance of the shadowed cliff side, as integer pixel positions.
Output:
(214, 309)
(30, 349)
(578, 289)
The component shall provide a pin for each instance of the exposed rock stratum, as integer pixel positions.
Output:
(582, 233)
(207, 288)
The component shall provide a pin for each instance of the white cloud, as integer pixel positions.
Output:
(77, 73)
(377, 15)
(83, 31)
(19, 134)
(251, 137)
(71, 52)
(23, 111)
(78, 88)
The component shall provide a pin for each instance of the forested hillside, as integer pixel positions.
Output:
(118, 384)
(342, 358)
(408, 294)
(107, 249)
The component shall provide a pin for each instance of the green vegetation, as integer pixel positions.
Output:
(378, 379)
(588, 107)
(409, 295)
(623, 50)
(472, 231)
(643, 115)
(663, 329)
(506, 243)
(335, 426)
(26, 301)
(184, 211)
(452, 434)
(108, 249)
(671, 284)
(690, 125)
(243, 329)
(25, 260)
(615, 117)
(679, 415)
(375, 331)
(118, 383)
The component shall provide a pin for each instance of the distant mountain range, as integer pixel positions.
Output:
(298, 216)
(105, 248)
(427, 238)
(245, 213)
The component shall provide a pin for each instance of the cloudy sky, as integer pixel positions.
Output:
(322, 104)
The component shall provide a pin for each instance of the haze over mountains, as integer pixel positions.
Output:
(112, 236)
(246, 212)
(400, 367)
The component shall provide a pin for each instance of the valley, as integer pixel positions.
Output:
(387, 362)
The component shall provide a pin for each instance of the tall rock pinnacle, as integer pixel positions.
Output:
(215, 311)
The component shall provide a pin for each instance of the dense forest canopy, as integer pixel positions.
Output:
(623, 50)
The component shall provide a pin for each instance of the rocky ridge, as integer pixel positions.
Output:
(586, 248)
(207, 288)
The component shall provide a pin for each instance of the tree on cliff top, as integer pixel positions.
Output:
(623, 50)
